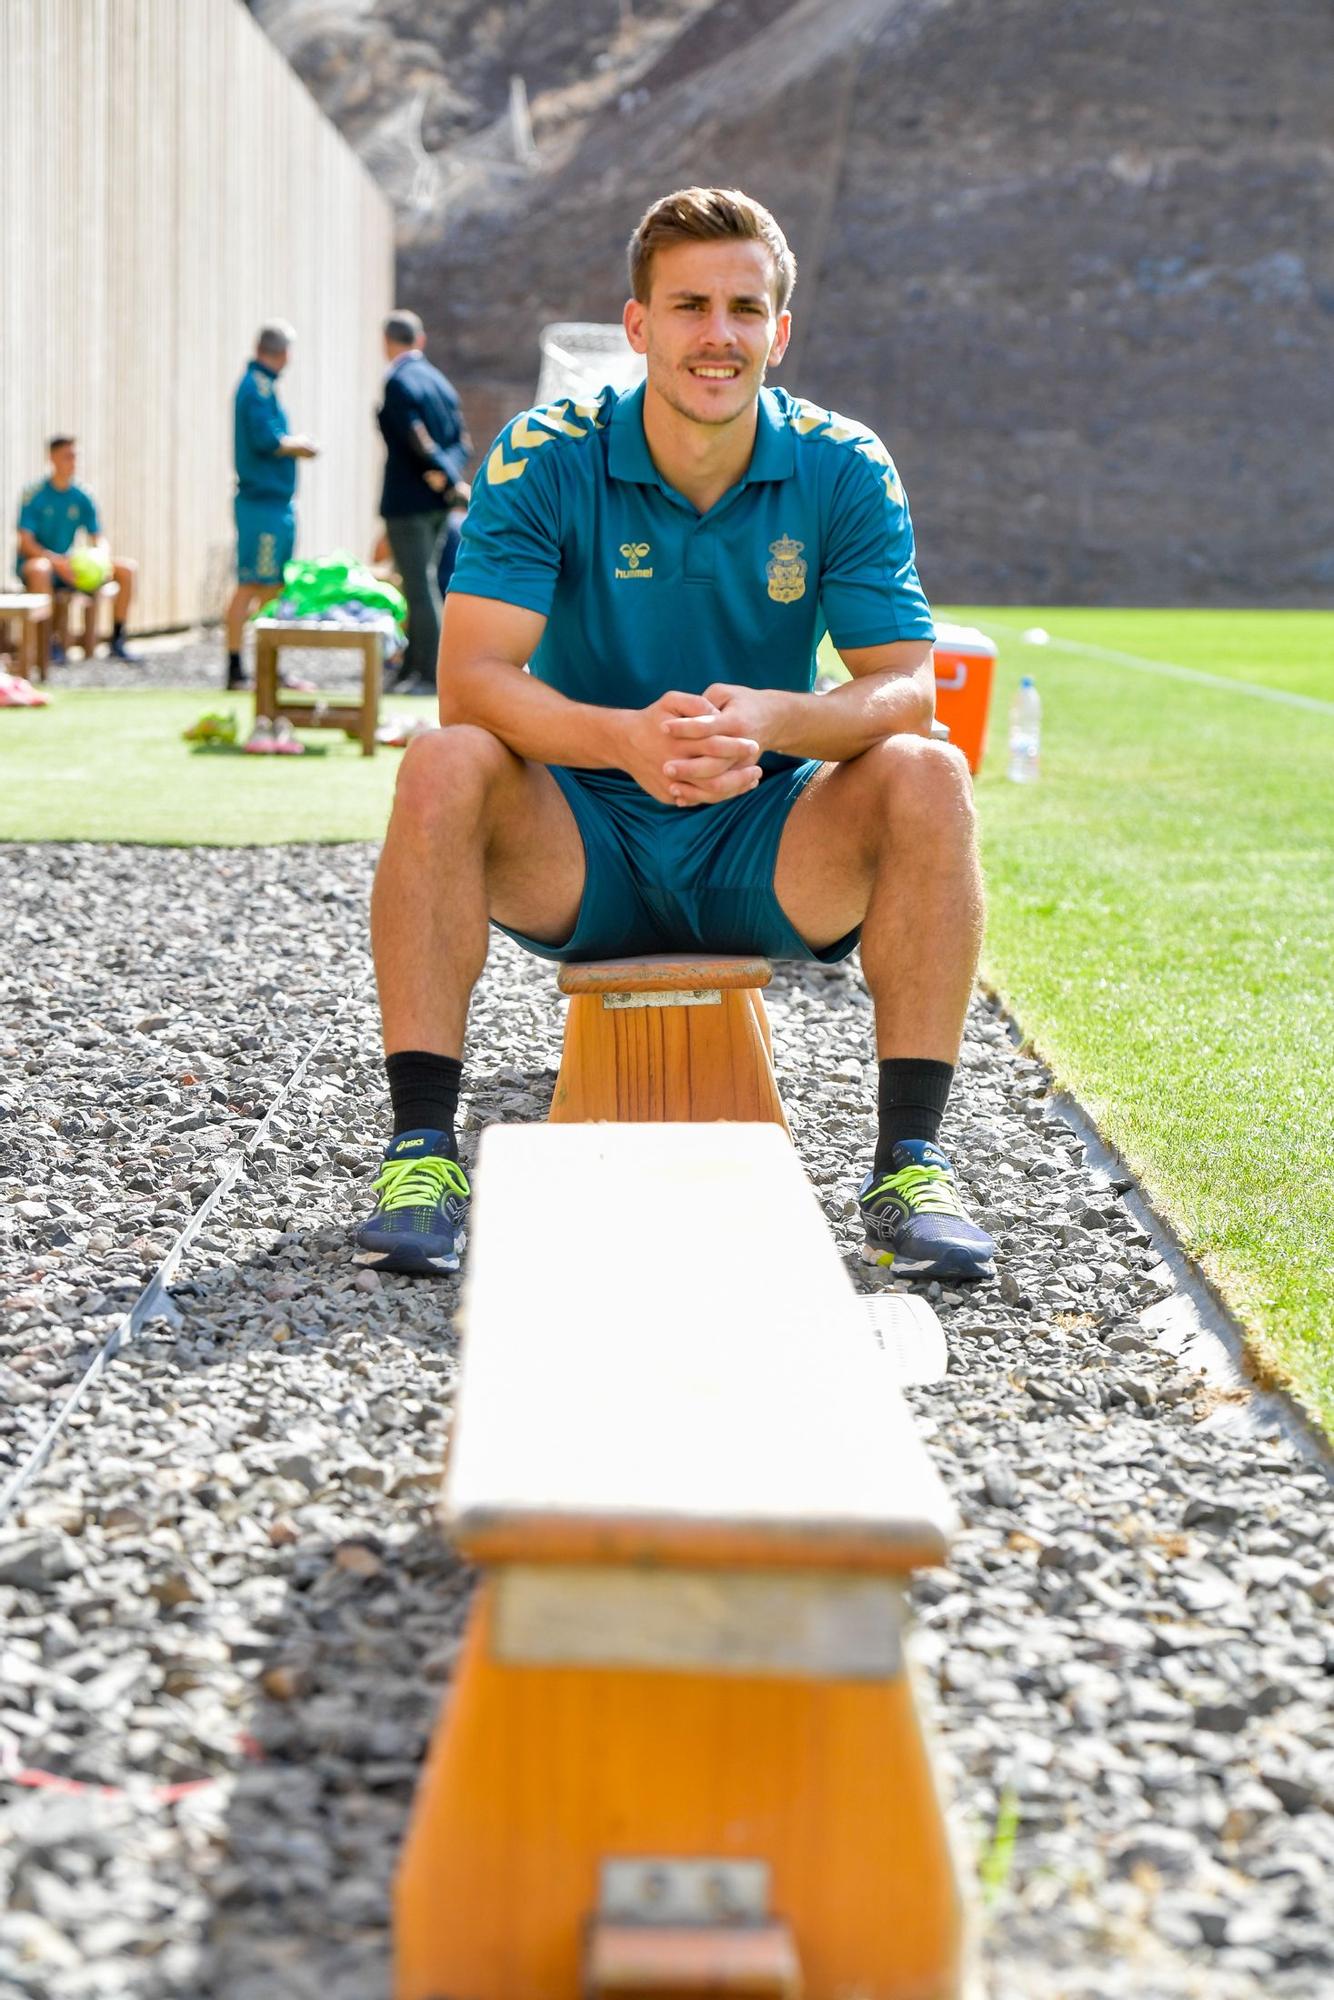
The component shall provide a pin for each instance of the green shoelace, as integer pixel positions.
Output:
(929, 1190)
(418, 1183)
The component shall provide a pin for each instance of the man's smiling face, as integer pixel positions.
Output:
(710, 327)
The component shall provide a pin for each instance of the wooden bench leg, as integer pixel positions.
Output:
(89, 608)
(41, 655)
(370, 691)
(266, 676)
(671, 1057)
(540, 1774)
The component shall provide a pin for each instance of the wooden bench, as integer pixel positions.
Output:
(357, 719)
(30, 611)
(666, 1038)
(680, 1755)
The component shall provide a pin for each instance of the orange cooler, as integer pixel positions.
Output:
(965, 662)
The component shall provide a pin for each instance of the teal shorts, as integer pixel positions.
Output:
(687, 879)
(265, 539)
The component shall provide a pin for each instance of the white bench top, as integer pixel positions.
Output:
(665, 1361)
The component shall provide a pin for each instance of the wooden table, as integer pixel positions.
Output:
(357, 719)
(31, 611)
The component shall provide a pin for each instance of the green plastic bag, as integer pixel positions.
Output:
(310, 588)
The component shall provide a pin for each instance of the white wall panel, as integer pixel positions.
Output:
(168, 184)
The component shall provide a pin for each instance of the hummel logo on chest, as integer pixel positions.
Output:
(634, 553)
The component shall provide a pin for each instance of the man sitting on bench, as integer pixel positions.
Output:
(663, 778)
(52, 512)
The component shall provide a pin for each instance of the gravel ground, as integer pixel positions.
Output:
(225, 1597)
(198, 660)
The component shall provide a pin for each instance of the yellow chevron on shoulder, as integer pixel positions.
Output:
(810, 421)
(529, 432)
(557, 416)
(808, 418)
(526, 437)
(871, 447)
(499, 468)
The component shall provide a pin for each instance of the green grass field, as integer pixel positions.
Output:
(1161, 903)
(1161, 921)
(109, 764)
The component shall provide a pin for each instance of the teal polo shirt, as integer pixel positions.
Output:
(259, 427)
(642, 593)
(55, 515)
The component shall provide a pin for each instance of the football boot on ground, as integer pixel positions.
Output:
(418, 1222)
(915, 1221)
(216, 727)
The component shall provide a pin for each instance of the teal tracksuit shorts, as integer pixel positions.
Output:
(687, 879)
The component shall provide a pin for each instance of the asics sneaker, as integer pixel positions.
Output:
(417, 1224)
(915, 1221)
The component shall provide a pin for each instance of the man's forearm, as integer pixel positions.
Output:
(851, 719)
(534, 720)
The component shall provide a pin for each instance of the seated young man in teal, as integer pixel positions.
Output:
(52, 513)
(663, 778)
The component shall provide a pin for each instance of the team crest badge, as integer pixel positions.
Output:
(785, 570)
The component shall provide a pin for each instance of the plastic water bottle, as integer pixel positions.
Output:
(1025, 733)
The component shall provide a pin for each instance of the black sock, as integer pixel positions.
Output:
(117, 630)
(424, 1091)
(913, 1096)
(234, 667)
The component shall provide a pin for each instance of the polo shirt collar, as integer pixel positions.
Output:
(628, 456)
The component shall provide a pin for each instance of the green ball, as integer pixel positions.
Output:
(90, 568)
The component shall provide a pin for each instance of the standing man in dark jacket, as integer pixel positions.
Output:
(427, 447)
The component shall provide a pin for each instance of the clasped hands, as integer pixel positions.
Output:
(697, 750)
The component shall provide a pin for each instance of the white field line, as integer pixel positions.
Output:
(155, 1299)
(1171, 671)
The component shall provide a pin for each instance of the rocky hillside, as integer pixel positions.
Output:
(1072, 258)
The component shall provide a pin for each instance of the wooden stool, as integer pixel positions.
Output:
(357, 719)
(680, 1755)
(31, 611)
(666, 1038)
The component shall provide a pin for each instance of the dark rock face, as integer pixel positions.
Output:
(1072, 260)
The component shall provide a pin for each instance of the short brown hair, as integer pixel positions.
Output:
(707, 215)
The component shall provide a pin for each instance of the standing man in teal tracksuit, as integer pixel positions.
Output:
(662, 777)
(266, 454)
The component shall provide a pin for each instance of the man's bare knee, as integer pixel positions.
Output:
(917, 771)
(914, 782)
(447, 775)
